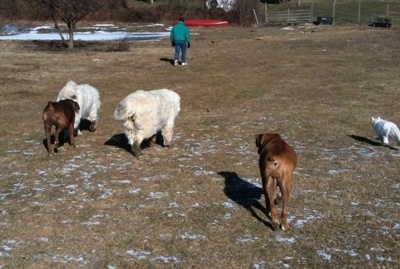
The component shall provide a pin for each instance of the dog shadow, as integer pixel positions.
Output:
(84, 125)
(63, 138)
(120, 141)
(171, 61)
(245, 194)
(370, 142)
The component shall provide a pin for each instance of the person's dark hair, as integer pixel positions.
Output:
(181, 19)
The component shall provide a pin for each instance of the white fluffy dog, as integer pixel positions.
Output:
(88, 99)
(144, 113)
(385, 130)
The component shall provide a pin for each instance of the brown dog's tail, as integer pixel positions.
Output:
(273, 167)
(274, 162)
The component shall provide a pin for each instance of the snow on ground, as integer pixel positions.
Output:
(87, 167)
(99, 32)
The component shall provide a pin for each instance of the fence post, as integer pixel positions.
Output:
(288, 15)
(359, 11)
(333, 11)
(255, 15)
(312, 11)
(266, 12)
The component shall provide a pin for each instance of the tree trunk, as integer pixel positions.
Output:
(59, 32)
(71, 39)
(151, 2)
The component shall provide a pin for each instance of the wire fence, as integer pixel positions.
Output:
(363, 12)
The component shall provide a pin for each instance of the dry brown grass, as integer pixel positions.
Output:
(199, 203)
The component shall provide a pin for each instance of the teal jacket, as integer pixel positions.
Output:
(180, 33)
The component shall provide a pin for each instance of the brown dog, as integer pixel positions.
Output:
(61, 114)
(277, 163)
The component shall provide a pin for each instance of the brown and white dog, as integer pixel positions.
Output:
(277, 163)
(61, 114)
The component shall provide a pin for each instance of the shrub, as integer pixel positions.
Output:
(119, 47)
(243, 10)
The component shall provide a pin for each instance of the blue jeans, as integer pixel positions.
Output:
(178, 48)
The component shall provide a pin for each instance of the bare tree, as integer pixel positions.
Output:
(71, 12)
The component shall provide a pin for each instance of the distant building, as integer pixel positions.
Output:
(226, 5)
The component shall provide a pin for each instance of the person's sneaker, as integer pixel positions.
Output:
(176, 62)
(184, 63)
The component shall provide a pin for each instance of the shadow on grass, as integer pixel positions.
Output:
(370, 142)
(84, 125)
(120, 141)
(245, 194)
(63, 138)
(171, 61)
(55, 150)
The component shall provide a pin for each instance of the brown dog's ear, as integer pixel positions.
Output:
(259, 140)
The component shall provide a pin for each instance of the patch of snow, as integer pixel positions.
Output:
(91, 223)
(173, 205)
(6, 248)
(259, 265)
(383, 259)
(164, 259)
(189, 236)
(246, 239)
(140, 255)
(336, 172)
(156, 195)
(229, 205)
(324, 255)
(134, 191)
(285, 240)
(105, 195)
(283, 264)
(125, 181)
(228, 216)
(99, 35)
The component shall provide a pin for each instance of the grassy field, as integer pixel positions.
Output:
(199, 203)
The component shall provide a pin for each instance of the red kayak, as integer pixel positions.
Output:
(205, 23)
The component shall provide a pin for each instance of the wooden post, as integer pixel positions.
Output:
(266, 12)
(255, 15)
(312, 11)
(333, 11)
(359, 11)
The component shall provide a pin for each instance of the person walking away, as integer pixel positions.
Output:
(180, 37)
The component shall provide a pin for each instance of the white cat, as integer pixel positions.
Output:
(385, 130)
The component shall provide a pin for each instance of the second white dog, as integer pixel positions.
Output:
(385, 130)
(144, 113)
(88, 99)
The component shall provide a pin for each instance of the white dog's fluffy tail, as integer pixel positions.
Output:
(122, 112)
